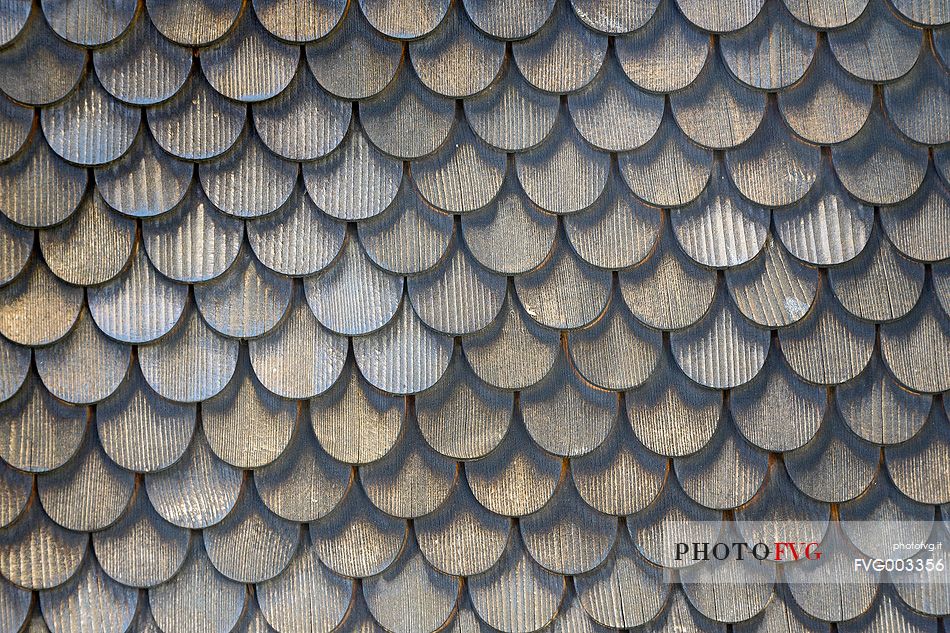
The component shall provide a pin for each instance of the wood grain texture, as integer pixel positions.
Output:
(405, 356)
(923, 12)
(296, 21)
(773, 290)
(197, 123)
(914, 226)
(917, 103)
(613, 18)
(517, 478)
(91, 247)
(830, 588)
(356, 181)
(411, 480)
(251, 544)
(778, 411)
(298, 239)
(878, 409)
(828, 226)
(356, 539)
(16, 123)
(197, 491)
(918, 595)
(461, 416)
(37, 308)
(14, 365)
(726, 472)
(773, 52)
(35, 553)
(672, 517)
(42, 432)
(248, 64)
(406, 119)
(38, 68)
(141, 549)
(354, 297)
(89, 596)
(732, 590)
(505, 21)
(828, 346)
(565, 414)
(717, 111)
(459, 296)
(15, 490)
(146, 181)
(898, 516)
(195, 22)
(355, 61)
(15, 15)
(666, 54)
(303, 122)
(568, 536)
(142, 67)
(463, 176)
(658, 408)
(881, 284)
(516, 594)
(617, 232)
(835, 465)
(303, 484)
(40, 189)
(877, 165)
(197, 599)
(511, 114)
(888, 611)
(564, 174)
(822, 14)
(247, 300)
(620, 476)
(511, 235)
(299, 358)
(89, 127)
(246, 425)
(306, 596)
(85, 366)
(16, 244)
(626, 591)
(565, 293)
(720, 229)
(141, 431)
(140, 305)
(680, 615)
(917, 466)
(878, 46)
(668, 291)
(828, 105)
(354, 422)
(462, 538)
(669, 170)
(563, 56)
(720, 16)
(774, 168)
(457, 60)
(405, 19)
(194, 242)
(779, 502)
(635, 114)
(411, 595)
(16, 606)
(514, 352)
(724, 350)
(249, 181)
(192, 363)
